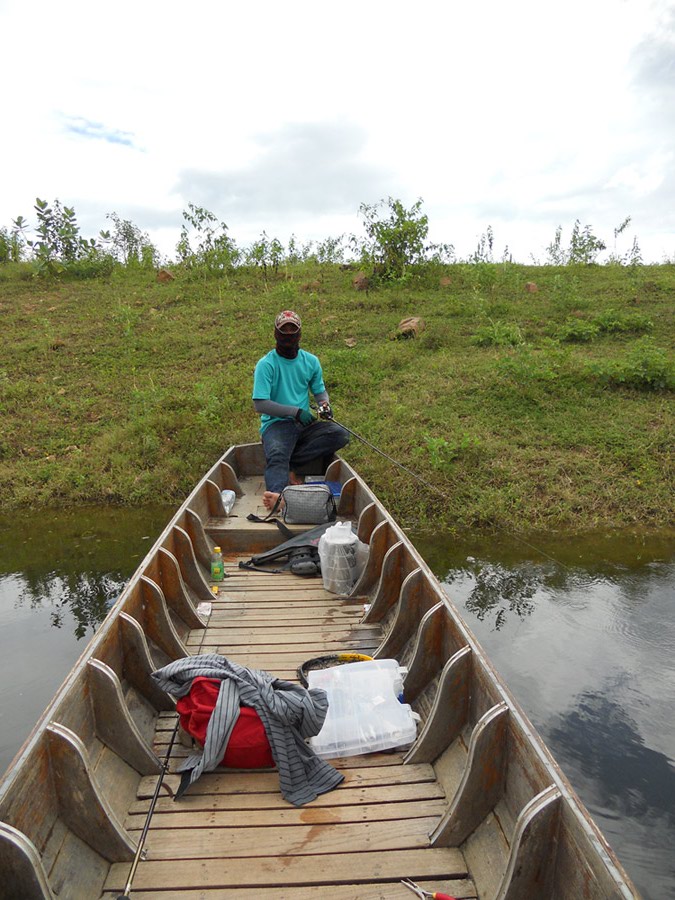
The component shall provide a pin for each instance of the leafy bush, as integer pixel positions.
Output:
(96, 265)
(645, 368)
(267, 253)
(613, 322)
(13, 243)
(583, 249)
(577, 331)
(215, 251)
(498, 334)
(130, 245)
(395, 242)
(525, 365)
(443, 453)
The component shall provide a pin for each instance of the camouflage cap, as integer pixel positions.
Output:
(288, 317)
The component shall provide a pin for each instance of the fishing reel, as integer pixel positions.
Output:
(324, 411)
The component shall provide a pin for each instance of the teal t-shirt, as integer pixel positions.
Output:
(287, 381)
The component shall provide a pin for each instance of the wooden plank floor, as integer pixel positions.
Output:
(234, 836)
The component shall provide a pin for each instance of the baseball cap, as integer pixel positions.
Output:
(288, 317)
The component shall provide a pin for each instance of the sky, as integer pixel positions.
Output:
(285, 117)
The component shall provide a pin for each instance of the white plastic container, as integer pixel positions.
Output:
(338, 554)
(364, 712)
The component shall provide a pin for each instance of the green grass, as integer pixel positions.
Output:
(125, 390)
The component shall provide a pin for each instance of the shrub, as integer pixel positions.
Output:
(577, 331)
(498, 334)
(443, 453)
(396, 242)
(645, 368)
(613, 322)
(524, 365)
(96, 265)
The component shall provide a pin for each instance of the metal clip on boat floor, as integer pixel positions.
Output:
(425, 895)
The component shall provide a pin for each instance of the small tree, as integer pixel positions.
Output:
(583, 249)
(584, 245)
(59, 243)
(13, 243)
(215, 250)
(555, 252)
(484, 248)
(397, 241)
(130, 245)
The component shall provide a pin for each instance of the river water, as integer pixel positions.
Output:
(581, 629)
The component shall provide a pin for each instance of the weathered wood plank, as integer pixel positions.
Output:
(282, 638)
(461, 888)
(422, 793)
(271, 662)
(288, 840)
(339, 868)
(249, 818)
(281, 630)
(234, 781)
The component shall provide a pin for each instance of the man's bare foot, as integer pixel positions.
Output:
(295, 479)
(269, 499)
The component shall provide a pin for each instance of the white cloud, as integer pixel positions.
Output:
(285, 117)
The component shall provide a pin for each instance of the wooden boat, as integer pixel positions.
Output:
(476, 807)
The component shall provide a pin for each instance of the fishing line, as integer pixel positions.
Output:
(392, 460)
(443, 494)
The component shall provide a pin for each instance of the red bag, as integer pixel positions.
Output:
(248, 747)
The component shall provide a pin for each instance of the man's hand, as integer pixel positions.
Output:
(325, 412)
(304, 416)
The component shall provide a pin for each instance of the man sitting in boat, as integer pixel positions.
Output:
(291, 434)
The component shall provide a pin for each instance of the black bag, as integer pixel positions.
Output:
(298, 555)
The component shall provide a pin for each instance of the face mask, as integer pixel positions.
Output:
(287, 344)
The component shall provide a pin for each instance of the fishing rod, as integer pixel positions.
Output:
(146, 827)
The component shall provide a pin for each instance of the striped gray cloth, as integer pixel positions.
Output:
(289, 713)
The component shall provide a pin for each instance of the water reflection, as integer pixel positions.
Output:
(585, 644)
(59, 574)
(500, 590)
(86, 597)
(608, 747)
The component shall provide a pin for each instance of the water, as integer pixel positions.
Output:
(582, 632)
(586, 645)
(59, 575)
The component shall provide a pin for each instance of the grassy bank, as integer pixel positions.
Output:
(538, 409)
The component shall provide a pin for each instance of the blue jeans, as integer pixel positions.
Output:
(288, 444)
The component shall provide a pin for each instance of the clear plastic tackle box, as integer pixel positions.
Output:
(364, 713)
